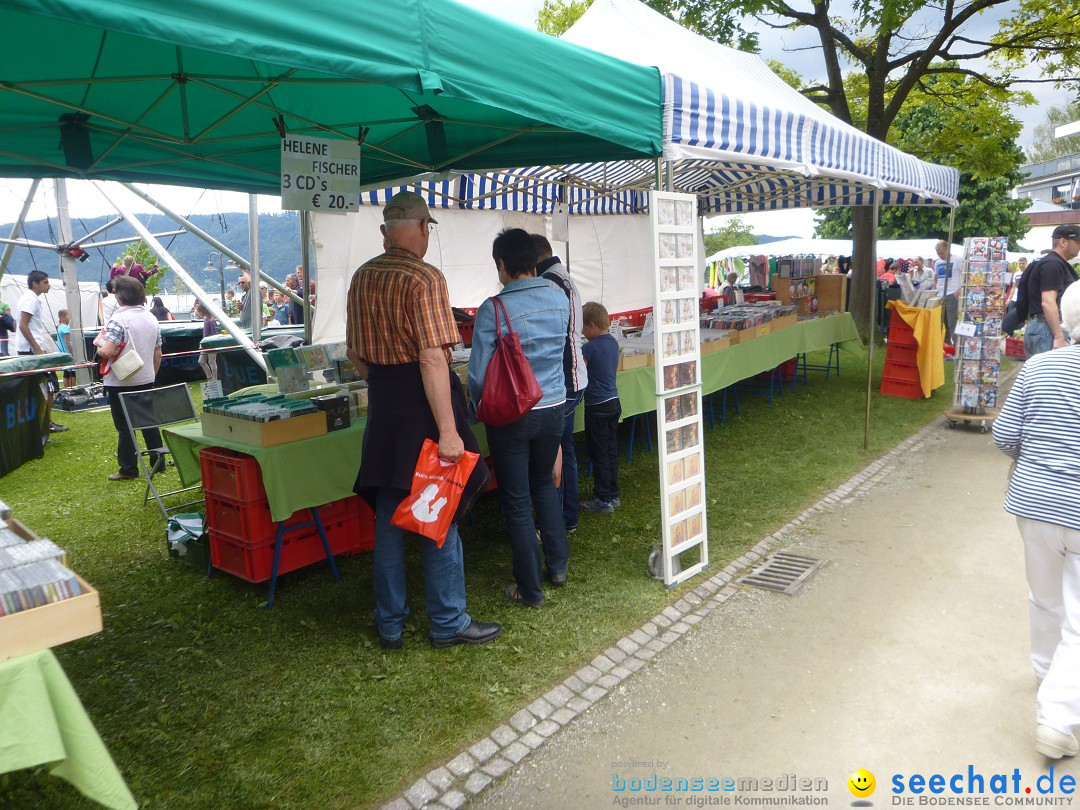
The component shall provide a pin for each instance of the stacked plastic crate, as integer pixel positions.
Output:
(900, 376)
(243, 533)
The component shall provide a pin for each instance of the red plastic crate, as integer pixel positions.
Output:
(904, 372)
(1014, 347)
(249, 524)
(753, 298)
(901, 388)
(298, 550)
(900, 333)
(229, 474)
(908, 355)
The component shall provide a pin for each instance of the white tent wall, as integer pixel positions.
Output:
(460, 247)
(12, 289)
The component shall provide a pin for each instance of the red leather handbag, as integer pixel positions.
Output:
(510, 387)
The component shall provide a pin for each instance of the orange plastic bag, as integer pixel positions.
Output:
(436, 491)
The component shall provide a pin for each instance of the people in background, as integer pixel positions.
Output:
(602, 409)
(131, 268)
(280, 308)
(1039, 429)
(949, 279)
(399, 332)
(31, 337)
(1046, 283)
(296, 310)
(729, 292)
(1012, 317)
(131, 328)
(210, 327)
(232, 309)
(524, 451)
(160, 311)
(249, 306)
(7, 326)
(551, 268)
(63, 340)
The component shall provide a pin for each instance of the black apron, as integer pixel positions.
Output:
(399, 419)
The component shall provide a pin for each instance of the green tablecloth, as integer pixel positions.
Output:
(43, 722)
(32, 362)
(295, 476)
(637, 386)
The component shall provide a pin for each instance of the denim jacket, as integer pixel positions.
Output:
(540, 314)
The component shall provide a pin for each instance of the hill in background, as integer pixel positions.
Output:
(279, 246)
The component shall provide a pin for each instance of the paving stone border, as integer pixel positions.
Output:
(491, 758)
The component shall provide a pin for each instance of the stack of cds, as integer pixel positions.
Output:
(32, 573)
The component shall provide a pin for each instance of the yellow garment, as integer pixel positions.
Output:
(930, 335)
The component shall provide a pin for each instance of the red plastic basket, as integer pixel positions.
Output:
(901, 388)
(900, 334)
(904, 372)
(298, 550)
(1014, 347)
(229, 474)
(249, 524)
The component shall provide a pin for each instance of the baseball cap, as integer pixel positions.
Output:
(4, 306)
(407, 205)
(1066, 232)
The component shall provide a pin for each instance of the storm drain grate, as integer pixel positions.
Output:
(783, 572)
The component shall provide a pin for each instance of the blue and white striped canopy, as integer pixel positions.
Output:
(735, 135)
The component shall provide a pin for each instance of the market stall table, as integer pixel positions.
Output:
(22, 428)
(42, 722)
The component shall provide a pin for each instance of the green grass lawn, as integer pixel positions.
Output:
(206, 699)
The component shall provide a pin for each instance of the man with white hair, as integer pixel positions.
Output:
(1039, 428)
(949, 280)
(1045, 282)
(399, 331)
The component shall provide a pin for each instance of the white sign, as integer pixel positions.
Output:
(320, 174)
(965, 329)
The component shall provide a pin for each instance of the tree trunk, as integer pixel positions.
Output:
(863, 276)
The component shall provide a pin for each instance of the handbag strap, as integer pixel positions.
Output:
(500, 306)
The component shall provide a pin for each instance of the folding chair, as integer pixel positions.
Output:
(154, 409)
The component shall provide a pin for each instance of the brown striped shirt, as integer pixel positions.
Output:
(397, 305)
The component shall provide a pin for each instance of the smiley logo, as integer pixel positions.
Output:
(861, 783)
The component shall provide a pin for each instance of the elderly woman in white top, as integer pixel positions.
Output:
(1039, 428)
(131, 328)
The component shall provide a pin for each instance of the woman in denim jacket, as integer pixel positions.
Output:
(524, 451)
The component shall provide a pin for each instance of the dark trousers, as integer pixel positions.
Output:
(601, 437)
(524, 455)
(126, 451)
(571, 500)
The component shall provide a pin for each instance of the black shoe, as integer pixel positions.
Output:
(475, 633)
(514, 595)
(55, 428)
(158, 466)
(391, 644)
(558, 580)
(571, 529)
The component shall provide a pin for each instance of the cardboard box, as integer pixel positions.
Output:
(264, 434)
(745, 335)
(628, 361)
(715, 345)
(31, 630)
(783, 322)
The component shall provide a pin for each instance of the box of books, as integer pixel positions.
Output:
(42, 603)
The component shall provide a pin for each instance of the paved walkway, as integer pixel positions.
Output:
(905, 654)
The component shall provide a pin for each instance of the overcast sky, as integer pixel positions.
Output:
(786, 47)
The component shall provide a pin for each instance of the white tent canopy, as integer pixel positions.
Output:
(12, 289)
(607, 258)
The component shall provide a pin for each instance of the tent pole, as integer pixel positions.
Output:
(214, 243)
(305, 261)
(872, 327)
(208, 303)
(253, 251)
(16, 229)
(70, 273)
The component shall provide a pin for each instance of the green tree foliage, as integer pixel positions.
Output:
(556, 16)
(1045, 146)
(732, 233)
(958, 122)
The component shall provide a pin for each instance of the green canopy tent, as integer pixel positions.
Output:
(195, 93)
(201, 93)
